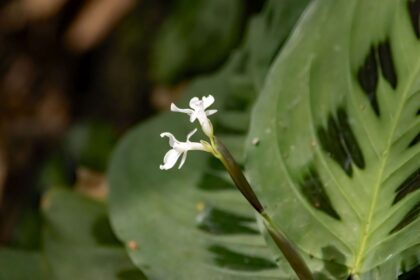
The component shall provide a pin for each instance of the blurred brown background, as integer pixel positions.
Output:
(75, 75)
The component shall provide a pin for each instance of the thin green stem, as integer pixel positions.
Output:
(286, 247)
(289, 251)
(237, 176)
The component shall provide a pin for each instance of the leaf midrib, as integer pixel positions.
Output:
(365, 233)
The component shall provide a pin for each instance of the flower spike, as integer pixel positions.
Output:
(199, 111)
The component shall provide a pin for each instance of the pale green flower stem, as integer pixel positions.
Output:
(286, 247)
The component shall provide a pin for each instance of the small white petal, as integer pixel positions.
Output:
(191, 134)
(169, 154)
(211, 112)
(184, 157)
(207, 101)
(195, 103)
(172, 139)
(193, 116)
(174, 108)
(170, 159)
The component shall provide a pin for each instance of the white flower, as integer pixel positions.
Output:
(199, 112)
(178, 149)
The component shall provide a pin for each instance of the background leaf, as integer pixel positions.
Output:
(193, 40)
(21, 265)
(78, 243)
(338, 125)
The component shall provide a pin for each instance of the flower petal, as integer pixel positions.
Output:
(170, 159)
(195, 103)
(172, 139)
(191, 134)
(210, 112)
(184, 157)
(207, 101)
(193, 116)
(174, 108)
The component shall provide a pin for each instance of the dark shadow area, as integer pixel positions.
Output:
(413, 274)
(227, 258)
(313, 190)
(333, 265)
(411, 184)
(218, 221)
(410, 217)
(131, 274)
(102, 232)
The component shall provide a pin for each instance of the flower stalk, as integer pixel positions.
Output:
(285, 246)
(237, 176)
(289, 251)
(199, 112)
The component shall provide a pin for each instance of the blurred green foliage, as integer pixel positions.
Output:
(77, 243)
(90, 144)
(196, 37)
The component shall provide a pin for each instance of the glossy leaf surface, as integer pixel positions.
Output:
(338, 124)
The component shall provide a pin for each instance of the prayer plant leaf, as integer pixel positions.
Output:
(192, 223)
(338, 159)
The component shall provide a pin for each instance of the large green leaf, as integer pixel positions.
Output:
(338, 159)
(192, 223)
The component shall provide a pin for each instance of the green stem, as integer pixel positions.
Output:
(286, 247)
(237, 176)
(288, 250)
